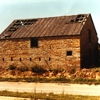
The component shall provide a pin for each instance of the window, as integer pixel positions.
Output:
(69, 53)
(89, 35)
(33, 42)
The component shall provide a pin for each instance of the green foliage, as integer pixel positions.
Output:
(57, 70)
(38, 69)
(12, 67)
(61, 79)
(72, 71)
(53, 80)
(23, 68)
(95, 69)
(47, 96)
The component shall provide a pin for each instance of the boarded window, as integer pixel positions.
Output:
(33, 42)
(69, 53)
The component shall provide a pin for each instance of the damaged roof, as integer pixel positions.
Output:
(45, 27)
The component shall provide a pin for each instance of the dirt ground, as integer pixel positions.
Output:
(76, 89)
(12, 98)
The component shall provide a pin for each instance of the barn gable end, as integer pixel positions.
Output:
(89, 45)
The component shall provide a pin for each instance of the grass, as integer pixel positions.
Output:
(53, 80)
(96, 69)
(47, 96)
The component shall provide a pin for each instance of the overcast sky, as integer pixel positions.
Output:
(24, 9)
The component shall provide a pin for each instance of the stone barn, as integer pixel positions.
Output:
(65, 42)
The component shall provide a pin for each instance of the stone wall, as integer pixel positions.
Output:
(50, 53)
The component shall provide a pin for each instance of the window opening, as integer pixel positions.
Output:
(11, 58)
(49, 59)
(30, 59)
(39, 59)
(34, 42)
(20, 59)
(3, 59)
(69, 53)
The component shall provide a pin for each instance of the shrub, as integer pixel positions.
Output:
(56, 71)
(96, 69)
(23, 68)
(38, 69)
(12, 67)
(72, 71)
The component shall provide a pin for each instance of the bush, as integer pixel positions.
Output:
(58, 70)
(38, 69)
(72, 71)
(12, 67)
(23, 68)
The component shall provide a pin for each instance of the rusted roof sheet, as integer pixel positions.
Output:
(45, 27)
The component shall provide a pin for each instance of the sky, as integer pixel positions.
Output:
(26, 9)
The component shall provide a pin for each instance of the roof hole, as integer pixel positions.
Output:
(79, 18)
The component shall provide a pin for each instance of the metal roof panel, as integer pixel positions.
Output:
(42, 27)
